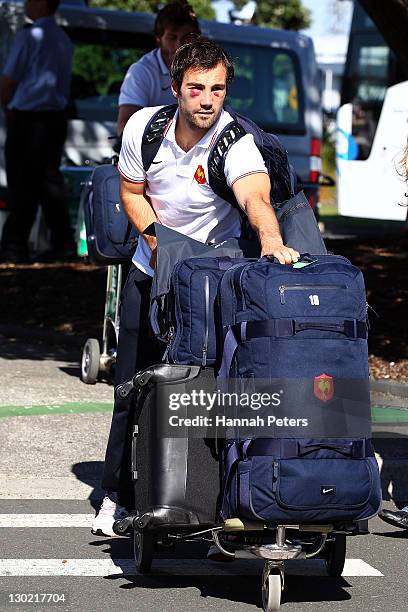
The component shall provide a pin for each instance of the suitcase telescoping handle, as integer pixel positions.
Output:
(156, 374)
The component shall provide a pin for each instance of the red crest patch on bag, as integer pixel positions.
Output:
(323, 387)
(200, 175)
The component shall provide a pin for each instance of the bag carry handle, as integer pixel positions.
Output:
(292, 448)
(304, 257)
(282, 328)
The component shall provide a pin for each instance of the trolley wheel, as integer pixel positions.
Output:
(335, 555)
(272, 587)
(143, 546)
(90, 361)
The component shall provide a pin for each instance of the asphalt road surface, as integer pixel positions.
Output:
(53, 431)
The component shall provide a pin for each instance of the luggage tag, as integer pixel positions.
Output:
(303, 264)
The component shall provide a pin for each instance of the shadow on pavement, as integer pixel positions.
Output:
(398, 534)
(90, 473)
(74, 371)
(393, 450)
(238, 588)
(245, 589)
(36, 348)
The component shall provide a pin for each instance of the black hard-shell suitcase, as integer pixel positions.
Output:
(176, 480)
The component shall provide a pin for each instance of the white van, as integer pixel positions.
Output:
(276, 81)
(372, 127)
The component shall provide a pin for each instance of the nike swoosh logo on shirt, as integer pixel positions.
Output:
(159, 162)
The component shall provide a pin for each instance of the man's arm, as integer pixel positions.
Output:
(139, 211)
(253, 195)
(7, 88)
(125, 113)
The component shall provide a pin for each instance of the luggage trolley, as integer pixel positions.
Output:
(239, 539)
(95, 360)
(111, 243)
(162, 527)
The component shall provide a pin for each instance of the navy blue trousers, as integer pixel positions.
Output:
(137, 349)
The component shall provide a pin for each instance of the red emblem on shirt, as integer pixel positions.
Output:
(323, 387)
(200, 175)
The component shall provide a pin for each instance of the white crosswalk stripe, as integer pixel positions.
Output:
(16, 486)
(107, 567)
(45, 520)
(173, 567)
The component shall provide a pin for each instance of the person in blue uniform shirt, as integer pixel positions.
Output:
(147, 82)
(34, 93)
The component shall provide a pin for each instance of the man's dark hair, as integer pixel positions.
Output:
(52, 5)
(200, 53)
(174, 15)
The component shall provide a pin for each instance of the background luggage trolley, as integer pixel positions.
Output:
(111, 242)
(257, 497)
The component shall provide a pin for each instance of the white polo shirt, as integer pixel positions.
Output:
(147, 82)
(177, 181)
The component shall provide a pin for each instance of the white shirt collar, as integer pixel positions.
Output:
(205, 142)
(162, 64)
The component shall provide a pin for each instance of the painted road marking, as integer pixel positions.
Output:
(380, 414)
(68, 408)
(56, 487)
(389, 415)
(175, 567)
(45, 520)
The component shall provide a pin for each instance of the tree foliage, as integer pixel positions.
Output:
(202, 8)
(282, 14)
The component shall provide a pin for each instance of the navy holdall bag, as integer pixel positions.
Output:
(306, 325)
(190, 302)
(110, 237)
(300, 480)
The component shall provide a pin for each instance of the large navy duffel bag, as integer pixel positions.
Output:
(278, 319)
(110, 238)
(300, 480)
(305, 327)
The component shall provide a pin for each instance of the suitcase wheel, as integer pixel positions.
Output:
(144, 546)
(90, 361)
(272, 587)
(335, 555)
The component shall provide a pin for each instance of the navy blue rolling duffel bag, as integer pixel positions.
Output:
(110, 238)
(306, 328)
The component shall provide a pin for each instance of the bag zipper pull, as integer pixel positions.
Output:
(275, 475)
(207, 314)
(170, 335)
(282, 294)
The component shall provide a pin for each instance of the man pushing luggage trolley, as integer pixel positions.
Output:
(172, 188)
(283, 480)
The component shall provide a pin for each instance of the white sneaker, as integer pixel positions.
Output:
(109, 512)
